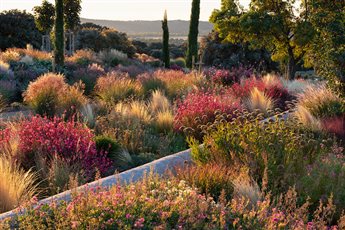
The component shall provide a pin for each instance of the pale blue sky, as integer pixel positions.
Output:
(128, 9)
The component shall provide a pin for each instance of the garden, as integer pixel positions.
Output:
(267, 149)
(92, 120)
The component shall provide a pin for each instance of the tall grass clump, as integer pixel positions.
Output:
(72, 101)
(116, 87)
(164, 121)
(136, 110)
(43, 94)
(49, 95)
(322, 102)
(295, 87)
(306, 118)
(17, 186)
(159, 102)
(177, 82)
(15, 54)
(258, 100)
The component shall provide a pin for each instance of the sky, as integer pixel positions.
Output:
(129, 9)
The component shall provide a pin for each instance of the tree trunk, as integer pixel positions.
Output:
(59, 42)
(291, 67)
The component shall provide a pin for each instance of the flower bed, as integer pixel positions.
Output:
(133, 114)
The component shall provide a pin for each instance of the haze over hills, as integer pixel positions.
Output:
(152, 29)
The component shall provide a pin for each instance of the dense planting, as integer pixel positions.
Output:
(106, 112)
(158, 203)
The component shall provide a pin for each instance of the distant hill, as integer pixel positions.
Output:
(152, 29)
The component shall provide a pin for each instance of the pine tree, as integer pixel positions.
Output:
(166, 52)
(192, 50)
(59, 41)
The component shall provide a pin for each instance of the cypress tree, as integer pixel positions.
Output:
(166, 52)
(192, 50)
(59, 41)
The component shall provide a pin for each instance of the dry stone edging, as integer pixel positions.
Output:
(159, 166)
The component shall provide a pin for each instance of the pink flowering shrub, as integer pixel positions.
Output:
(149, 204)
(155, 203)
(200, 108)
(70, 141)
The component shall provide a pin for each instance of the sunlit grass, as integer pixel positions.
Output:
(259, 101)
(16, 185)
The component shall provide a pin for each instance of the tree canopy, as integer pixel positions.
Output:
(44, 16)
(100, 39)
(72, 9)
(274, 25)
(327, 51)
(17, 29)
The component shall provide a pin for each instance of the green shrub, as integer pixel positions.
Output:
(111, 146)
(181, 62)
(276, 153)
